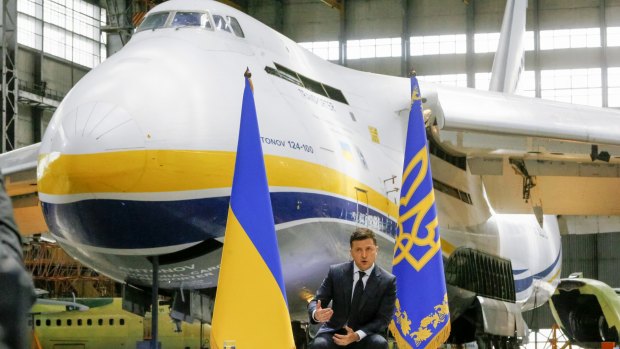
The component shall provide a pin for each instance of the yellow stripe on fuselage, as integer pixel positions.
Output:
(446, 247)
(150, 171)
(555, 276)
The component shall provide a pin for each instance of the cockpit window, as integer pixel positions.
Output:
(153, 21)
(221, 23)
(191, 19)
(178, 19)
(236, 27)
(228, 24)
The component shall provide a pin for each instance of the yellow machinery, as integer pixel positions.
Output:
(104, 324)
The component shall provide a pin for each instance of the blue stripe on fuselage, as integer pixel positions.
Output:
(523, 284)
(549, 269)
(126, 224)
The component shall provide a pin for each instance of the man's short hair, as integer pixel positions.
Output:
(362, 234)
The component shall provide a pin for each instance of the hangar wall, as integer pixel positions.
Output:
(43, 75)
(593, 254)
(312, 20)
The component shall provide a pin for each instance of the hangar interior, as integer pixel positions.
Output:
(572, 55)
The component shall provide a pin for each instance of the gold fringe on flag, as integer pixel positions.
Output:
(440, 338)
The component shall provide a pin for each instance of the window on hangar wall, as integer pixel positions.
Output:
(578, 86)
(68, 29)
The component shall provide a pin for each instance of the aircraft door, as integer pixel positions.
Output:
(361, 208)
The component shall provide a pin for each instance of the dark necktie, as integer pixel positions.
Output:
(357, 298)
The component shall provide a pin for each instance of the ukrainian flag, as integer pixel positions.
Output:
(421, 319)
(250, 305)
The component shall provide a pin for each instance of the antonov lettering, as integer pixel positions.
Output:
(288, 143)
(185, 272)
(161, 270)
(272, 141)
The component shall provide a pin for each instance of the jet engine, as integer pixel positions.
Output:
(588, 311)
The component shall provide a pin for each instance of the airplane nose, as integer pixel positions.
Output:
(79, 145)
(122, 163)
(96, 127)
(102, 185)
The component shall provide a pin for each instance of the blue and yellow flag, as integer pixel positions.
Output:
(421, 319)
(250, 305)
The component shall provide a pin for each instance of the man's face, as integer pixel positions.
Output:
(364, 253)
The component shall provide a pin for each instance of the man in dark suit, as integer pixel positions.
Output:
(360, 313)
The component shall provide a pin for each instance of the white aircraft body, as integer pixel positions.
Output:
(138, 158)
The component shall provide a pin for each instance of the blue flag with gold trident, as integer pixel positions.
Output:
(421, 319)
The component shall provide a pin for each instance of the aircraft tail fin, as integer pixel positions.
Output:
(509, 58)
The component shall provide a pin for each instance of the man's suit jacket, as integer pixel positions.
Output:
(376, 306)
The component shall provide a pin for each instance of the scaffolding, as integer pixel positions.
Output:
(555, 340)
(8, 41)
(62, 276)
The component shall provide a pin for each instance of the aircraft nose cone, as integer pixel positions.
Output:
(79, 150)
(96, 127)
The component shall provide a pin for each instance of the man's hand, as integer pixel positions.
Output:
(322, 314)
(346, 339)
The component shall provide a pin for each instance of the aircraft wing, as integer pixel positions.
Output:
(530, 152)
(50, 306)
(498, 113)
(20, 160)
(19, 168)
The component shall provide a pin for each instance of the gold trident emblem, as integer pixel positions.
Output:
(406, 241)
(415, 95)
